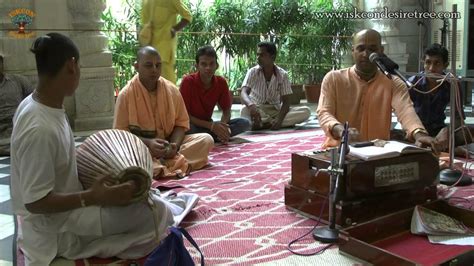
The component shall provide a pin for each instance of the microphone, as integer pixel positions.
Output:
(390, 66)
(375, 58)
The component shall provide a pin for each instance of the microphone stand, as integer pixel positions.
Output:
(392, 68)
(329, 233)
(451, 176)
(420, 44)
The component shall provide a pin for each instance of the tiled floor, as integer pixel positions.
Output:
(6, 218)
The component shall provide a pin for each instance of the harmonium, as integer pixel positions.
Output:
(368, 189)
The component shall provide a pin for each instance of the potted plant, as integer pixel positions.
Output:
(323, 43)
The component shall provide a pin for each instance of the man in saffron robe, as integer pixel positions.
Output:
(364, 97)
(152, 108)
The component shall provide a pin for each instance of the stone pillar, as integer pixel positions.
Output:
(94, 99)
(388, 28)
(92, 106)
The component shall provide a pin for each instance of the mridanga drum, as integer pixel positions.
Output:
(117, 153)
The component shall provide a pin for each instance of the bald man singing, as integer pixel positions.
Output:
(365, 97)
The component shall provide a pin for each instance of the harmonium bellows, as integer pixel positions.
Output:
(369, 189)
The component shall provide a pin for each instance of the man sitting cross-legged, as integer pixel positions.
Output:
(152, 108)
(265, 93)
(202, 91)
(430, 107)
(58, 218)
(13, 89)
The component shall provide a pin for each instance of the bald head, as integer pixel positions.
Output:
(147, 50)
(148, 66)
(364, 43)
(366, 34)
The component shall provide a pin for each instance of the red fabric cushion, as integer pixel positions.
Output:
(419, 249)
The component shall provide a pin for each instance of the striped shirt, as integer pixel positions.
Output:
(262, 92)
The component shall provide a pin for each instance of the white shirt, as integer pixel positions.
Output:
(43, 159)
(260, 93)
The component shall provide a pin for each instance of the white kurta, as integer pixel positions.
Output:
(43, 160)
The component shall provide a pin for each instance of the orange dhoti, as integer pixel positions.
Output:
(156, 115)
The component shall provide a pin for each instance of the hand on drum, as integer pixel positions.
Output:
(105, 192)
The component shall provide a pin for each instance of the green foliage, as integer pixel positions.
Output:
(193, 36)
(317, 45)
(123, 41)
(227, 16)
(236, 73)
(235, 37)
(307, 47)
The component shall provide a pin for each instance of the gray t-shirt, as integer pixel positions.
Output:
(13, 89)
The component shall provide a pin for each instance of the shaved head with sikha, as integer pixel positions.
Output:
(148, 66)
(146, 50)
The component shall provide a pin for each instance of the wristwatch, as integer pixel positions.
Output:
(418, 130)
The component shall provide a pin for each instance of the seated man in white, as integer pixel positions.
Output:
(58, 218)
(265, 93)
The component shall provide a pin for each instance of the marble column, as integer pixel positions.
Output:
(94, 99)
(388, 28)
(92, 105)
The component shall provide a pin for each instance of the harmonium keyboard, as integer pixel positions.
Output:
(369, 189)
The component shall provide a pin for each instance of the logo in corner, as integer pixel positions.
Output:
(21, 17)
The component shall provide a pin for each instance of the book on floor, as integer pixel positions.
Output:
(389, 149)
(428, 222)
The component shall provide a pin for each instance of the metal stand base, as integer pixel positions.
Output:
(325, 234)
(450, 176)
